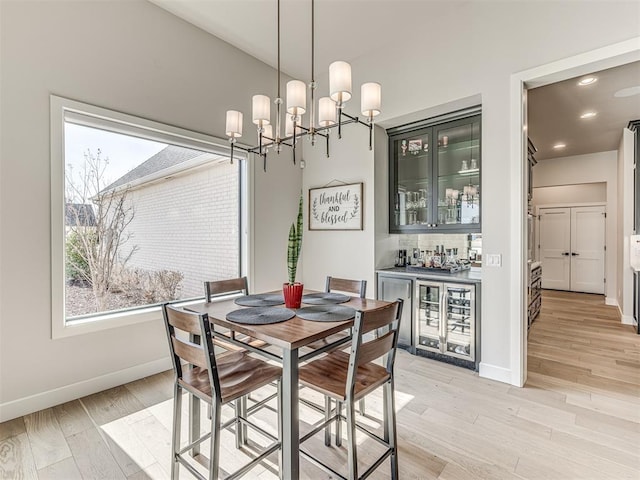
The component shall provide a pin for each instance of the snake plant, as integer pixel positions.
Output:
(294, 244)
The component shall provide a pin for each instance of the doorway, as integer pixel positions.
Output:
(581, 64)
(572, 247)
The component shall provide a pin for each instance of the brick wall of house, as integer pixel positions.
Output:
(188, 223)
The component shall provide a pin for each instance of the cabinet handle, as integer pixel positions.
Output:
(443, 319)
(566, 254)
(573, 254)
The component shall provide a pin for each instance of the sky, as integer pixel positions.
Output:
(124, 152)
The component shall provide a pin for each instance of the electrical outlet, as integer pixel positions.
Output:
(493, 260)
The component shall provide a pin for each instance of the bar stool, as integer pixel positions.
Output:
(348, 377)
(216, 381)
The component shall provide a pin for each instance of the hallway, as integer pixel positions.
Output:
(578, 347)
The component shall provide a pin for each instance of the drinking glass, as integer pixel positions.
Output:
(422, 197)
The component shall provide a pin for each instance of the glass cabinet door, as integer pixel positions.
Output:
(460, 313)
(412, 178)
(458, 173)
(429, 313)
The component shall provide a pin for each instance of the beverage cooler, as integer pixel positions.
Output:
(446, 322)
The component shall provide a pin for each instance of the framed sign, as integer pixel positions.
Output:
(336, 208)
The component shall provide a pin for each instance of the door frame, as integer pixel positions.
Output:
(599, 59)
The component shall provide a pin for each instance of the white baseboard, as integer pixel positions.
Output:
(627, 320)
(50, 398)
(493, 372)
(611, 301)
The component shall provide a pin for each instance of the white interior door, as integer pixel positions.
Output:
(587, 249)
(555, 247)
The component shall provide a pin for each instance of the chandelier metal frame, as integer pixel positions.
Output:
(295, 130)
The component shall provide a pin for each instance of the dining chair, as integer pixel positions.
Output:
(219, 288)
(349, 377)
(349, 286)
(358, 287)
(215, 379)
(213, 289)
(332, 284)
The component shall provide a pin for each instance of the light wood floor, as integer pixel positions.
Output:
(577, 418)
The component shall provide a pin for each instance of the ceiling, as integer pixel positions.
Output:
(344, 30)
(554, 112)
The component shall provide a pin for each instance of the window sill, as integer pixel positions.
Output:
(108, 321)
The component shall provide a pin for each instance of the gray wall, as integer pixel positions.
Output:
(129, 56)
(471, 51)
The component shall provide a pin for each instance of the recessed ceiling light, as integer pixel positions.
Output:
(628, 92)
(588, 115)
(558, 146)
(587, 81)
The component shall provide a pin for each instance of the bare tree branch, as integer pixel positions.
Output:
(97, 245)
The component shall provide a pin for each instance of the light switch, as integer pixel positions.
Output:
(493, 260)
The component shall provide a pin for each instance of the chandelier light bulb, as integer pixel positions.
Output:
(296, 97)
(340, 82)
(370, 99)
(288, 125)
(234, 124)
(267, 135)
(326, 112)
(261, 110)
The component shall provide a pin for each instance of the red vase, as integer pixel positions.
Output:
(292, 294)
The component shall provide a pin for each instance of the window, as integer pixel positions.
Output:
(142, 213)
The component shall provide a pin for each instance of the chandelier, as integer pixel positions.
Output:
(330, 109)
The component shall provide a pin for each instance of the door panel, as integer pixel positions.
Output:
(587, 249)
(555, 247)
(392, 288)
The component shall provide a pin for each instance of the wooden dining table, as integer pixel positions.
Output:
(289, 337)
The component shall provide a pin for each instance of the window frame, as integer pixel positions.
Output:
(63, 109)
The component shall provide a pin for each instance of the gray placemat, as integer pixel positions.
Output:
(260, 300)
(260, 315)
(326, 313)
(325, 298)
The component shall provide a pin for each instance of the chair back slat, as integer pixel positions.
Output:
(190, 352)
(219, 287)
(375, 348)
(375, 319)
(185, 321)
(359, 287)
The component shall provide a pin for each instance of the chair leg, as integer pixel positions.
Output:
(175, 438)
(361, 405)
(214, 451)
(243, 427)
(390, 427)
(352, 459)
(327, 415)
(238, 412)
(339, 424)
(280, 428)
(385, 417)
